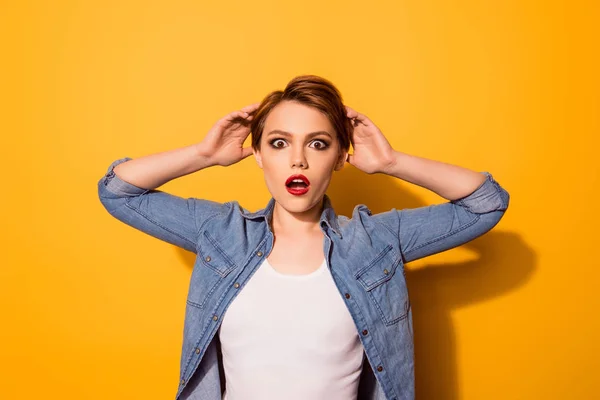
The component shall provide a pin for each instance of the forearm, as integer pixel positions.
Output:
(447, 180)
(154, 170)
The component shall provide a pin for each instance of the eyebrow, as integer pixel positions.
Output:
(310, 135)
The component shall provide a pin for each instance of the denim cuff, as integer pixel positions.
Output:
(117, 185)
(488, 197)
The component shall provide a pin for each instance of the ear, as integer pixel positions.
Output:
(257, 157)
(341, 161)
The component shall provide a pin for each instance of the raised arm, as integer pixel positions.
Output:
(128, 190)
(476, 202)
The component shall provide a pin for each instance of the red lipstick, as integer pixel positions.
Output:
(297, 184)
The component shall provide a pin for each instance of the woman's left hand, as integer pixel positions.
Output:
(372, 152)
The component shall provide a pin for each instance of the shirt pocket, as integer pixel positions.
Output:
(211, 266)
(386, 285)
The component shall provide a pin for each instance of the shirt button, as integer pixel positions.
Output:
(259, 254)
(385, 271)
(215, 318)
(380, 368)
(197, 350)
(236, 285)
(207, 258)
(365, 332)
(182, 381)
(347, 295)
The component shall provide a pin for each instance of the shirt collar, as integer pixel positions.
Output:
(328, 215)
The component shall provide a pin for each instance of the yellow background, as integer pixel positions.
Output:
(92, 309)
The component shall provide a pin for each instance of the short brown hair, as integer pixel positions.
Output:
(313, 91)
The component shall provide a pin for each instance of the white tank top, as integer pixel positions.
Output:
(290, 337)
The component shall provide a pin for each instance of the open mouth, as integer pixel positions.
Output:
(297, 184)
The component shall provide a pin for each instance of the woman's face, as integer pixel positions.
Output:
(298, 139)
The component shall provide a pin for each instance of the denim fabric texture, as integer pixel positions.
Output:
(365, 253)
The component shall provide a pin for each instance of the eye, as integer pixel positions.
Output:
(321, 144)
(275, 143)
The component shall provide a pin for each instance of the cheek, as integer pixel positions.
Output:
(272, 168)
(271, 161)
(325, 163)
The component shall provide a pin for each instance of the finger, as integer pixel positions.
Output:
(251, 108)
(350, 113)
(361, 117)
(230, 119)
(236, 114)
(353, 114)
(356, 116)
(246, 151)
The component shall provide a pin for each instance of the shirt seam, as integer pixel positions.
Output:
(135, 209)
(460, 228)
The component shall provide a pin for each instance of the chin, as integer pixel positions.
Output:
(298, 204)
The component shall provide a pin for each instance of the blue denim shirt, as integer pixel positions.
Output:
(365, 253)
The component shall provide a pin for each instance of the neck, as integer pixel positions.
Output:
(286, 222)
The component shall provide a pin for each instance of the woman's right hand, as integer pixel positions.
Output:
(223, 144)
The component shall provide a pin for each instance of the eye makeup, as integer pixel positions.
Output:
(323, 144)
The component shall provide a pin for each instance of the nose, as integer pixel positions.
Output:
(299, 159)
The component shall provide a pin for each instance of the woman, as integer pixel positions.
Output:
(293, 301)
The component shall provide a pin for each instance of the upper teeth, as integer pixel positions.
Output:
(298, 180)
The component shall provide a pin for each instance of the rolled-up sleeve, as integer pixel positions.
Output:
(117, 186)
(428, 230)
(165, 216)
(488, 197)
